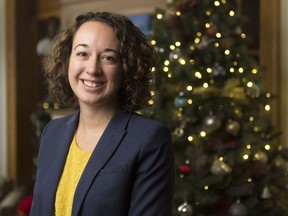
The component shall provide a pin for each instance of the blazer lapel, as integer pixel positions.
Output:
(63, 141)
(108, 143)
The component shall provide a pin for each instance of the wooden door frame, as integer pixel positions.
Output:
(270, 58)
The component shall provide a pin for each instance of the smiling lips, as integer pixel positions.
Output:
(92, 84)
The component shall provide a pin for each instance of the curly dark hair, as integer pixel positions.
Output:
(136, 58)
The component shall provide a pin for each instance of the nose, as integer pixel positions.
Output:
(93, 67)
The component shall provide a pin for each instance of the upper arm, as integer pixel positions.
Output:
(154, 182)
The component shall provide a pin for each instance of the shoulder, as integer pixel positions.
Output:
(142, 120)
(146, 126)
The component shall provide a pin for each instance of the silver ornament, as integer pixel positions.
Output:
(266, 194)
(211, 123)
(237, 209)
(185, 209)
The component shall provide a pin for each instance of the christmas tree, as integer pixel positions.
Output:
(208, 90)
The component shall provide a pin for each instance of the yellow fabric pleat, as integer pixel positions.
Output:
(74, 166)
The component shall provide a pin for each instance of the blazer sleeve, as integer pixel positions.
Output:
(35, 204)
(153, 187)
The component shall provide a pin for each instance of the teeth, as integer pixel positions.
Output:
(92, 84)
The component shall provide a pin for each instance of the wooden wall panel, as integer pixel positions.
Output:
(22, 89)
(46, 9)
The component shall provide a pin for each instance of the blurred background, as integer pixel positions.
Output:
(26, 29)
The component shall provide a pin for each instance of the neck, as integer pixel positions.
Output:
(91, 119)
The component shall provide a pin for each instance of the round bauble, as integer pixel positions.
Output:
(211, 123)
(185, 209)
(237, 209)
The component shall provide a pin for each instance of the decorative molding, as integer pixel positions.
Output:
(71, 8)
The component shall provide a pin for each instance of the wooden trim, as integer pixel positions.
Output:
(270, 52)
(11, 89)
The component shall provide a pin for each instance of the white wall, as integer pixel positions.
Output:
(3, 92)
(284, 71)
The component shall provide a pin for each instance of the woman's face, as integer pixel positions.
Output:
(95, 66)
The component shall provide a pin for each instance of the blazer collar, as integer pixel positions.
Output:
(107, 144)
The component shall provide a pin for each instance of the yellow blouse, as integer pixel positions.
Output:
(74, 166)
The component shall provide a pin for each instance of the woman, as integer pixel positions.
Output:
(105, 159)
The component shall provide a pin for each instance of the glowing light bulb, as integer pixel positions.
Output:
(172, 47)
(245, 156)
(159, 16)
(218, 35)
(202, 133)
(178, 13)
(217, 3)
(267, 147)
(249, 84)
(190, 138)
(254, 71)
(182, 61)
(267, 107)
(231, 13)
(45, 105)
(166, 62)
(178, 43)
(189, 88)
(198, 75)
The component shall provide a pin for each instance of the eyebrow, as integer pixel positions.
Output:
(84, 45)
(106, 49)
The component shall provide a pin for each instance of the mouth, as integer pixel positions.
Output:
(92, 84)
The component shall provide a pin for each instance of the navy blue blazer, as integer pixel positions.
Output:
(130, 172)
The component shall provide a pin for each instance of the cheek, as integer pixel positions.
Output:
(73, 70)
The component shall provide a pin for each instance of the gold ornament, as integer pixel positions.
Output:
(206, 92)
(279, 162)
(220, 168)
(260, 156)
(232, 89)
(232, 127)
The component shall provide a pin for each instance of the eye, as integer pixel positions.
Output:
(81, 54)
(109, 58)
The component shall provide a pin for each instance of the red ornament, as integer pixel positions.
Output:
(259, 169)
(185, 169)
(213, 144)
(191, 3)
(24, 206)
(221, 206)
(230, 144)
(211, 31)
